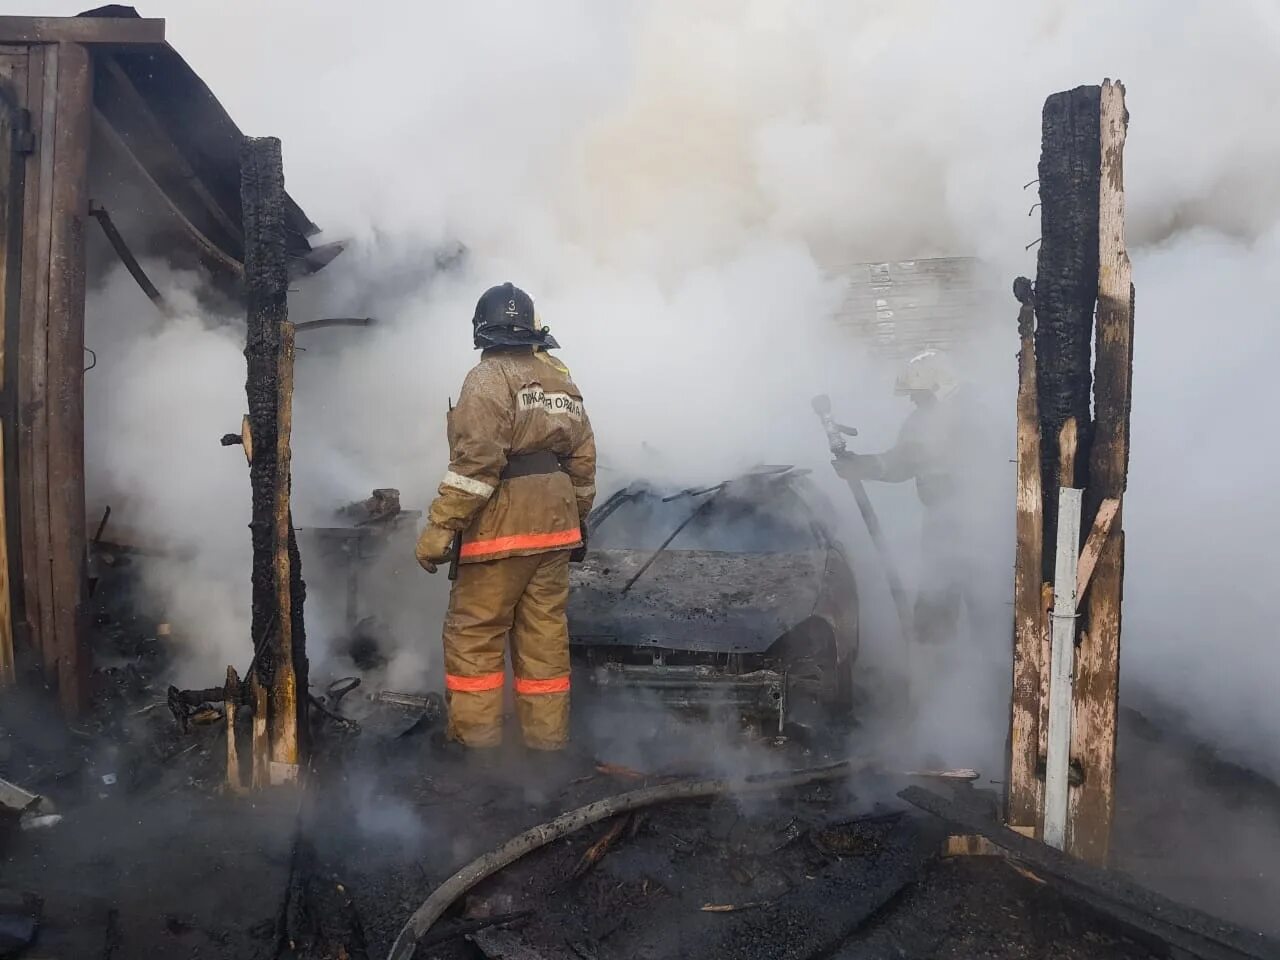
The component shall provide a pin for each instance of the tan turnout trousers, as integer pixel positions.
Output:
(524, 599)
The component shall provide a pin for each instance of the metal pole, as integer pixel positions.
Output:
(1062, 662)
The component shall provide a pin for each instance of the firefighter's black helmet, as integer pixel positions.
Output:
(505, 318)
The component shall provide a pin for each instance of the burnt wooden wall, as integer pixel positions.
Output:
(51, 84)
(46, 106)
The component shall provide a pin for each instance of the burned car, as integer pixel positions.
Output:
(734, 597)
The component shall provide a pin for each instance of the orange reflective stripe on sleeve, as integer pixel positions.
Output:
(486, 681)
(522, 541)
(554, 685)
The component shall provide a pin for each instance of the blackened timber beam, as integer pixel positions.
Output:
(214, 257)
(133, 119)
(278, 592)
(126, 256)
(104, 30)
(1097, 688)
(1066, 282)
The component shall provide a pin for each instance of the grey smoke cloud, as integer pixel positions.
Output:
(679, 185)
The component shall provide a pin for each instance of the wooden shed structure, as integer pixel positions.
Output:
(100, 119)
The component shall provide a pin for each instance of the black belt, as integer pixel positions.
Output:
(531, 464)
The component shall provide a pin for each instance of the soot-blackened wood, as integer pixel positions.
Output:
(1066, 282)
(1097, 687)
(277, 575)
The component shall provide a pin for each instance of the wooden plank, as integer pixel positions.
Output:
(1115, 894)
(10, 225)
(7, 660)
(68, 558)
(970, 845)
(1046, 607)
(1022, 809)
(284, 688)
(33, 342)
(11, 176)
(1062, 658)
(1098, 674)
(107, 30)
(1094, 543)
(17, 363)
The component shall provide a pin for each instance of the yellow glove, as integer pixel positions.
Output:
(435, 546)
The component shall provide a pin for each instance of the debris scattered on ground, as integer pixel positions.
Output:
(20, 915)
(731, 907)
(20, 801)
(40, 822)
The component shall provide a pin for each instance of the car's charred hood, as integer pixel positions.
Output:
(693, 600)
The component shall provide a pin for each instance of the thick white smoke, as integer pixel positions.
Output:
(678, 184)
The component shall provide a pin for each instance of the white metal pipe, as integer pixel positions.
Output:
(1061, 668)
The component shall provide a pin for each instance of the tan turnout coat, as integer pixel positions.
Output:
(513, 402)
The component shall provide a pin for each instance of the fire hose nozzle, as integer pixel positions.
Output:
(835, 432)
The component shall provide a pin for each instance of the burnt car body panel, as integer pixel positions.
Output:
(714, 596)
(694, 599)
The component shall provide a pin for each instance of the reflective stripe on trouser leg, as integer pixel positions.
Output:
(481, 607)
(540, 654)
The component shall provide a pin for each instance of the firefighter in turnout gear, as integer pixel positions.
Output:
(935, 448)
(521, 480)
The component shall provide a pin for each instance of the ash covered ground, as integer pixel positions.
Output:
(154, 858)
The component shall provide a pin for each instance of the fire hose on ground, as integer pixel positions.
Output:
(490, 863)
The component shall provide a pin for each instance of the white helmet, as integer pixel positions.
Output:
(929, 372)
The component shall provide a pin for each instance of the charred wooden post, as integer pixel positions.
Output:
(1066, 282)
(278, 592)
(1082, 262)
(1024, 736)
(1097, 688)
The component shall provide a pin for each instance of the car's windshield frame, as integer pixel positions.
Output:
(731, 518)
